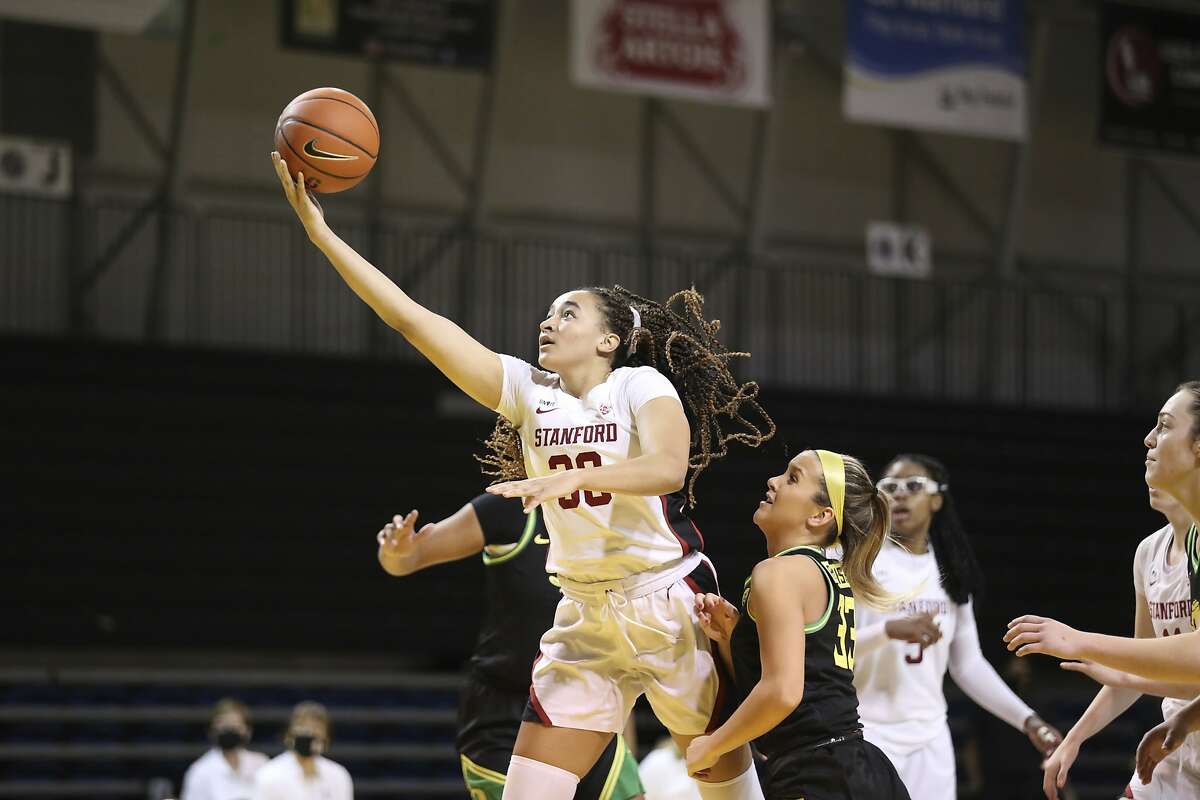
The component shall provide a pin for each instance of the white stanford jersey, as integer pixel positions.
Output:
(595, 536)
(1168, 594)
(901, 700)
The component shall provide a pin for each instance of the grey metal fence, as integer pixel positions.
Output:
(244, 280)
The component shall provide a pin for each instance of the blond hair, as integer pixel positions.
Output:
(866, 523)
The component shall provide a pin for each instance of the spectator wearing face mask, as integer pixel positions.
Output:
(302, 772)
(226, 771)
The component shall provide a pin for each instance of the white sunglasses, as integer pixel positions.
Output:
(917, 483)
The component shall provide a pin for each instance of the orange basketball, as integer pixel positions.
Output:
(329, 135)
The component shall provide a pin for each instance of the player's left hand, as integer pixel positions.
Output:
(1158, 743)
(701, 756)
(718, 617)
(1045, 737)
(535, 491)
(1032, 634)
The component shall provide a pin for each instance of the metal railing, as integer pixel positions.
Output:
(241, 280)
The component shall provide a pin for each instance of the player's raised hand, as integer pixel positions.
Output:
(920, 629)
(398, 543)
(1032, 634)
(298, 198)
(535, 491)
(718, 617)
(1057, 767)
(1158, 743)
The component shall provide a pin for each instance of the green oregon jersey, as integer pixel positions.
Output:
(830, 705)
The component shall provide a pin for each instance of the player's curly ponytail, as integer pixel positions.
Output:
(866, 522)
(675, 338)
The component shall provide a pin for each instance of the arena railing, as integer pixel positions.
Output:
(241, 279)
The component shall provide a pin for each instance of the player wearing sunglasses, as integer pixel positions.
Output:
(905, 651)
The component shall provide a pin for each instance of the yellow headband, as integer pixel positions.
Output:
(834, 465)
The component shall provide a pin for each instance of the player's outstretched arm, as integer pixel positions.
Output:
(783, 592)
(1110, 702)
(1107, 676)
(1175, 659)
(404, 550)
(975, 676)
(469, 365)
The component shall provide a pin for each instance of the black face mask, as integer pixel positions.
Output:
(304, 745)
(230, 739)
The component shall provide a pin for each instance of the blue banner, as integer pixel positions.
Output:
(949, 65)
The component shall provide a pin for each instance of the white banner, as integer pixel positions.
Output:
(716, 51)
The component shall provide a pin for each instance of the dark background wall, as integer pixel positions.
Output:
(194, 499)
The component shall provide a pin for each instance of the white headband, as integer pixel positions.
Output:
(637, 318)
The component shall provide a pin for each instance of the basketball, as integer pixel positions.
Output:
(329, 135)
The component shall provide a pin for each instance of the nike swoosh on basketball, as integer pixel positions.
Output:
(311, 149)
(539, 539)
(544, 410)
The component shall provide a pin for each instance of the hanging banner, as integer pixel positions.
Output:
(448, 33)
(716, 51)
(1150, 63)
(945, 65)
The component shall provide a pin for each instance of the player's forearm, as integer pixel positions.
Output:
(399, 566)
(1189, 715)
(767, 705)
(374, 288)
(1174, 659)
(870, 638)
(647, 475)
(1110, 702)
(726, 655)
(1179, 691)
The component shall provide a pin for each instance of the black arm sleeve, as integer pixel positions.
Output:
(501, 518)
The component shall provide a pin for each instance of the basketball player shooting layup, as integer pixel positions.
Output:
(600, 440)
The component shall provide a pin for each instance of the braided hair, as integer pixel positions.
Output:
(962, 577)
(675, 338)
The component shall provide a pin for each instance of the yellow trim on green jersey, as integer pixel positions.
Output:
(614, 774)
(526, 536)
(808, 628)
(1193, 552)
(816, 626)
(469, 768)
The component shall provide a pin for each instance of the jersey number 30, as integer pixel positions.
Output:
(584, 460)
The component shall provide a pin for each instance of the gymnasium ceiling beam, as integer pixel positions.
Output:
(169, 150)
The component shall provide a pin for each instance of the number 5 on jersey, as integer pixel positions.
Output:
(589, 458)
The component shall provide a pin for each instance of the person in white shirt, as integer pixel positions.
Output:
(603, 441)
(302, 772)
(903, 653)
(226, 771)
(1163, 608)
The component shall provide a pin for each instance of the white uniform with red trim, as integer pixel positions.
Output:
(629, 566)
(1168, 596)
